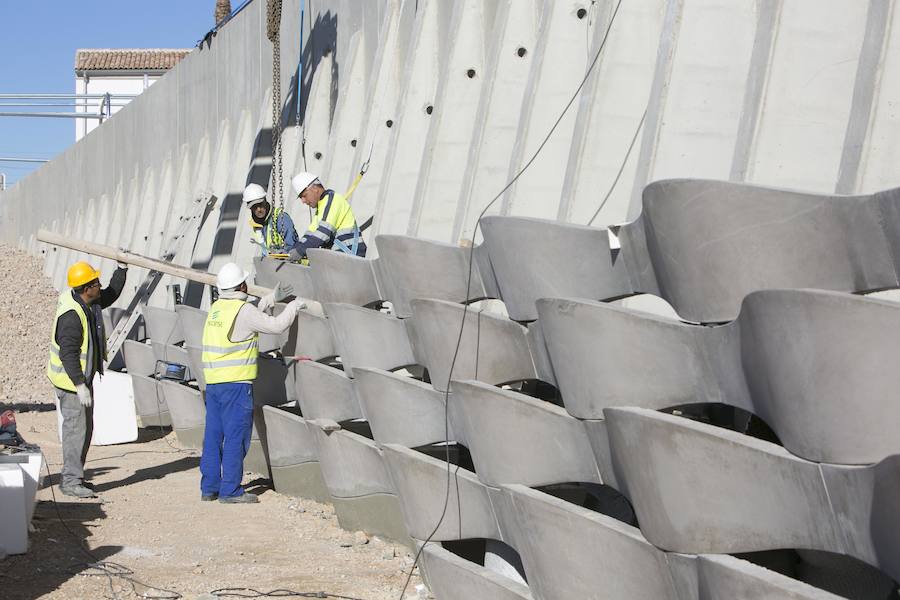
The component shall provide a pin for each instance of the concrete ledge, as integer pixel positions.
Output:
(150, 402)
(162, 325)
(191, 321)
(187, 412)
(557, 540)
(757, 238)
(401, 410)
(723, 576)
(340, 277)
(270, 271)
(418, 268)
(695, 488)
(421, 483)
(324, 392)
(546, 248)
(376, 514)
(139, 358)
(293, 455)
(358, 483)
(368, 338)
(516, 439)
(453, 578)
(493, 349)
(605, 355)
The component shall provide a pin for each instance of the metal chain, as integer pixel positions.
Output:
(273, 32)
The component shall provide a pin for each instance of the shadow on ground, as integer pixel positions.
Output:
(57, 550)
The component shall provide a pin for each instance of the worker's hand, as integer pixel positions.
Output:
(84, 395)
(282, 291)
(119, 263)
(294, 255)
(253, 240)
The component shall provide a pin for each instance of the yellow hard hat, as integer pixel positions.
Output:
(81, 273)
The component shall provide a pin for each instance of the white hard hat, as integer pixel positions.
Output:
(254, 193)
(301, 181)
(230, 276)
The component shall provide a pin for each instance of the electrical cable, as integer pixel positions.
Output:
(621, 168)
(469, 286)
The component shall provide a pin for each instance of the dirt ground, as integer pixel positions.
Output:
(149, 520)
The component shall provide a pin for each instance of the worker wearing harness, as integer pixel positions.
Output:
(273, 229)
(77, 352)
(334, 225)
(230, 350)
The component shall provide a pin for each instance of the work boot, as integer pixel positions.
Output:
(244, 498)
(77, 490)
(208, 497)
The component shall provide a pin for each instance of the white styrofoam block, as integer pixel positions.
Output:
(14, 532)
(115, 417)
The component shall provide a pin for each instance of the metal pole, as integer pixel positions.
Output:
(61, 96)
(2, 182)
(62, 115)
(28, 160)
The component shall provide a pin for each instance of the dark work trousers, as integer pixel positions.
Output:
(229, 420)
(77, 429)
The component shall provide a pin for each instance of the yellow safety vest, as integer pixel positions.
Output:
(335, 220)
(55, 371)
(225, 361)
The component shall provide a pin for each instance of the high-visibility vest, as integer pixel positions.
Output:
(55, 371)
(335, 224)
(225, 361)
(274, 240)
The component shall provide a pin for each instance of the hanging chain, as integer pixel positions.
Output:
(273, 32)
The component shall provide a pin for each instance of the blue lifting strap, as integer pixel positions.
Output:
(353, 247)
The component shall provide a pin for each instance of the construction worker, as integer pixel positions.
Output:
(230, 349)
(77, 352)
(273, 229)
(333, 226)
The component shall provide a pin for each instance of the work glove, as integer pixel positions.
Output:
(84, 395)
(253, 240)
(120, 264)
(282, 291)
(294, 255)
(297, 305)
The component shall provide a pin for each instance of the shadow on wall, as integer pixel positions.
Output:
(321, 43)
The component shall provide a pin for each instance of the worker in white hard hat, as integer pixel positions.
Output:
(230, 349)
(273, 229)
(334, 225)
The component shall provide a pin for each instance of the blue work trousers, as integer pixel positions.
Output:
(229, 420)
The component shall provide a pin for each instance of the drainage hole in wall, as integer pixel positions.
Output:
(470, 73)
(521, 52)
(353, 143)
(429, 109)
(318, 155)
(582, 13)
(389, 123)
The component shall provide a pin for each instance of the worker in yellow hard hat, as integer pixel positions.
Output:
(77, 352)
(333, 226)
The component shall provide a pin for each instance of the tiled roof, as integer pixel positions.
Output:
(133, 59)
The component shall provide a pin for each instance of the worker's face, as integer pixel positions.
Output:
(91, 291)
(310, 196)
(260, 209)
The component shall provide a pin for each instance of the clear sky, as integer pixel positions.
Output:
(38, 40)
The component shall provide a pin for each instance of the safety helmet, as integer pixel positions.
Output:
(81, 273)
(253, 194)
(230, 276)
(301, 181)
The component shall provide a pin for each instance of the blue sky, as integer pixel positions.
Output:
(37, 55)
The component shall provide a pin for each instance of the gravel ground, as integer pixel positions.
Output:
(26, 315)
(149, 520)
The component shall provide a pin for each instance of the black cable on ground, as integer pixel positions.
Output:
(469, 287)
